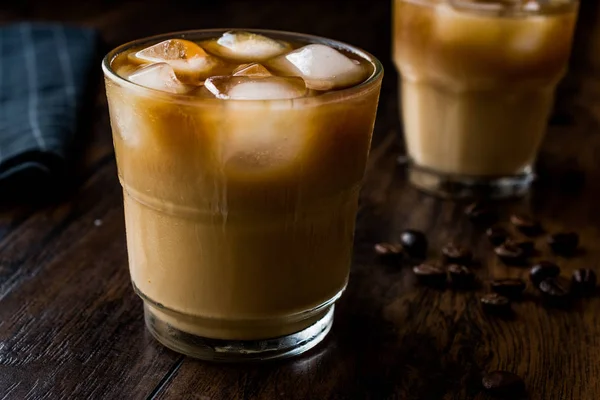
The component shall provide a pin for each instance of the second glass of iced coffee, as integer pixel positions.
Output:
(477, 87)
(241, 156)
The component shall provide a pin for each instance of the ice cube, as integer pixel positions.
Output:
(258, 142)
(322, 67)
(159, 76)
(256, 88)
(251, 70)
(245, 46)
(457, 28)
(189, 61)
(127, 117)
(536, 35)
(493, 6)
(531, 6)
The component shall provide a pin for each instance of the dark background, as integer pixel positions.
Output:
(71, 326)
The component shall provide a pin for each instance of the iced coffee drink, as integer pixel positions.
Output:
(241, 156)
(477, 87)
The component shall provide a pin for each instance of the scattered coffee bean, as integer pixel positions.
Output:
(526, 224)
(479, 213)
(455, 253)
(495, 303)
(430, 274)
(414, 243)
(388, 249)
(543, 270)
(528, 246)
(564, 243)
(509, 287)
(511, 253)
(584, 281)
(461, 276)
(497, 235)
(571, 180)
(561, 119)
(503, 383)
(556, 291)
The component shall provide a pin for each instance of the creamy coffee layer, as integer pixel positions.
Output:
(478, 80)
(241, 172)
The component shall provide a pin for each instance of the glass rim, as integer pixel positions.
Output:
(332, 96)
(496, 8)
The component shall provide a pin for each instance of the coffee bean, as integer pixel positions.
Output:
(479, 213)
(526, 224)
(497, 235)
(564, 243)
(511, 253)
(571, 180)
(455, 253)
(528, 246)
(430, 274)
(584, 281)
(556, 291)
(388, 249)
(509, 287)
(523, 221)
(414, 243)
(503, 383)
(543, 270)
(495, 304)
(461, 276)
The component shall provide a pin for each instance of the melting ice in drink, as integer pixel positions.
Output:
(160, 76)
(240, 46)
(322, 67)
(279, 66)
(253, 69)
(256, 88)
(189, 61)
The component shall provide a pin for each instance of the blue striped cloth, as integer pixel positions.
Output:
(45, 71)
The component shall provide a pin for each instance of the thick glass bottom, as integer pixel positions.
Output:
(462, 187)
(237, 350)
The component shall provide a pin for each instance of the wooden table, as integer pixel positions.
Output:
(71, 326)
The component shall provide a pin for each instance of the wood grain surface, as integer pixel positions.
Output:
(71, 326)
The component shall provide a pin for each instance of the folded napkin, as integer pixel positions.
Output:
(45, 71)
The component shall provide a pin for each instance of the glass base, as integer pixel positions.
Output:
(237, 350)
(461, 187)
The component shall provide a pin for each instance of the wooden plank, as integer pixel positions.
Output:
(70, 325)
